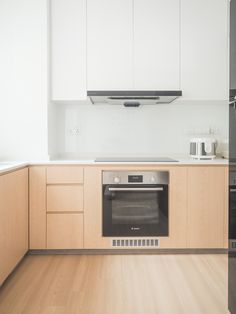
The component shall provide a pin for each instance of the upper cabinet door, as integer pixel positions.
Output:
(109, 44)
(68, 50)
(204, 49)
(157, 44)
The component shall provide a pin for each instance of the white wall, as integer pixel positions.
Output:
(105, 130)
(102, 130)
(23, 79)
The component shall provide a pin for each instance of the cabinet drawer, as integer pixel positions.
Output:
(64, 231)
(62, 175)
(64, 198)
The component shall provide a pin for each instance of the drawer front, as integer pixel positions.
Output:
(57, 175)
(64, 198)
(64, 231)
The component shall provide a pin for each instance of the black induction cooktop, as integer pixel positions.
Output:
(135, 159)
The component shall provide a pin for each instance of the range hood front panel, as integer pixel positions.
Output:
(141, 97)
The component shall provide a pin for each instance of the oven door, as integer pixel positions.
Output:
(232, 212)
(232, 250)
(135, 210)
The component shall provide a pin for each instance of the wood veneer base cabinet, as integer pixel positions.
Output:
(65, 175)
(197, 206)
(65, 198)
(56, 207)
(207, 207)
(13, 220)
(65, 231)
(37, 210)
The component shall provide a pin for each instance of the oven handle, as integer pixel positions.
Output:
(232, 190)
(135, 189)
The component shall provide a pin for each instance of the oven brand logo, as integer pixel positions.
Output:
(135, 228)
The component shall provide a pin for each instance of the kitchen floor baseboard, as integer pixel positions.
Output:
(126, 251)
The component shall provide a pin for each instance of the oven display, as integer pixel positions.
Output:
(135, 178)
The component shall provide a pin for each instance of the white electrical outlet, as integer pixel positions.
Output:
(74, 131)
(214, 130)
(195, 131)
(199, 131)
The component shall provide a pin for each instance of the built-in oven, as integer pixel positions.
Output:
(232, 210)
(232, 239)
(135, 203)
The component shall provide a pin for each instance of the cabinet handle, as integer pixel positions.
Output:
(232, 190)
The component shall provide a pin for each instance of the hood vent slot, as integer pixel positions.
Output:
(133, 98)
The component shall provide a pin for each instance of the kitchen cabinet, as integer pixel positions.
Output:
(68, 49)
(66, 201)
(56, 207)
(64, 198)
(204, 49)
(65, 175)
(14, 220)
(65, 231)
(37, 207)
(207, 200)
(65, 189)
(110, 44)
(156, 44)
(130, 41)
(117, 45)
(197, 207)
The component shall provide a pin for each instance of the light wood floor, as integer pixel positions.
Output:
(117, 284)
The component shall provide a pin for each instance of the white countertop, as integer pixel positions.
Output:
(181, 161)
(10, 166)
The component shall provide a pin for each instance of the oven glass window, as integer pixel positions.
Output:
(138, 211)
(135, 208)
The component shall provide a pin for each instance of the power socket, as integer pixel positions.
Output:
(74, 131)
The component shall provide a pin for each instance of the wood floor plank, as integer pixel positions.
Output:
(117, 284)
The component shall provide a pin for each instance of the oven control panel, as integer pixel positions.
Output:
(144, 177)
(135, 178)
(232, 178)
(116, 179)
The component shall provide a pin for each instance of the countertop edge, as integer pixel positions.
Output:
(12, 166)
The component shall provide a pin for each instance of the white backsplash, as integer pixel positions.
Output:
(88, 131)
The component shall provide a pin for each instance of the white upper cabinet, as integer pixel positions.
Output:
(133, 44)
(109, 44)
(68, 49)
(156, 44)
(139, 45)
(204, 49)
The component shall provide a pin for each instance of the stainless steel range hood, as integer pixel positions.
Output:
(133, 98)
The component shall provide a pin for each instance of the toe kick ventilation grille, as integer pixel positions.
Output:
(135, 243)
